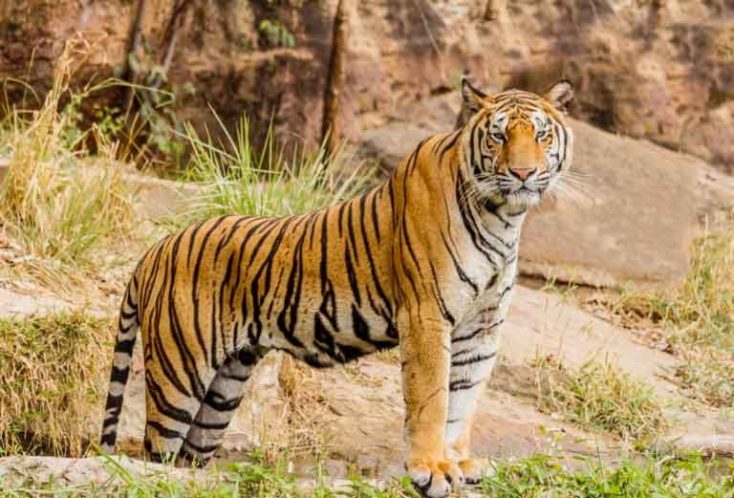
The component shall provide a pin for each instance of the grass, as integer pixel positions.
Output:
(544, 476)
(48, 383)
(300, 432)
(253, 479)
(58, 208)
(600, 396)
(696, 320)
(538, 476)
(238, 178)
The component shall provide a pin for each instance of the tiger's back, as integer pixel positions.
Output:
(274, 284)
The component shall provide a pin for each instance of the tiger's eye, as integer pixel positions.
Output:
(498, 137)
(543, 136)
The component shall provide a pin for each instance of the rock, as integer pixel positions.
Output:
(389, 144)
(636, 219)
(63, 472)
(19, 305)
(632, 212)
(711, 445)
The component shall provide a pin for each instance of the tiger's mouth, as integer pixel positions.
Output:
(523, 197)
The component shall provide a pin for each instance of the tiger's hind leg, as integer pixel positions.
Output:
(217, 409)
(169, 414)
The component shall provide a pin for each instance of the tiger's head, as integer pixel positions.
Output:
(517, 144)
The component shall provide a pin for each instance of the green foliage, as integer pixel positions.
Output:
(236, 177)
(276, 34)
(668, 477)
(538, 476)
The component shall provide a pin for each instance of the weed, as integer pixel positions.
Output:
(302, 431)
(600, 396)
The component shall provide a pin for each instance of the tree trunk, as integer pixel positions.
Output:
(330, 127)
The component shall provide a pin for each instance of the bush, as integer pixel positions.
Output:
(50, 381)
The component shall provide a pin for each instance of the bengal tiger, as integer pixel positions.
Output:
(426, 260)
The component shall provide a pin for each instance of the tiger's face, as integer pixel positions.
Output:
(517, 143)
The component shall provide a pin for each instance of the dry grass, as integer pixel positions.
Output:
(696, 320)
(600, 396)
(49, 382)
(300, 431)
(58, 209)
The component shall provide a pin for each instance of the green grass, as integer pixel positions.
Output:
(697, 320)
(237, 177)
(673, 477)
(538, 476)
(50, 382)
(253, 479)
(600, 396)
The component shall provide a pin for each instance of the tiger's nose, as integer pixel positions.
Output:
(522, 173)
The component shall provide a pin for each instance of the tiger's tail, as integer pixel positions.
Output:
(128, 326)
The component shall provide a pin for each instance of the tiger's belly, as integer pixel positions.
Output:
(323, 336)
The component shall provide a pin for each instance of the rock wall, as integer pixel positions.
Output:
(661, 70)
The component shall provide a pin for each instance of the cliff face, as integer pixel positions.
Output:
(661, 70)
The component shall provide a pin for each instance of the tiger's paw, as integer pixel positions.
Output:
(473, 470)
(434, 478)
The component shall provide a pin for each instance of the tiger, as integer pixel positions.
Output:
(426, 260)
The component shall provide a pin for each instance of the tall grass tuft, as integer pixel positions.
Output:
(56, 207)
(49, 381)
(600, 396)
(237, 177)
(697, 320)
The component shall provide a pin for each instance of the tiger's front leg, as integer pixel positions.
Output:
(474, 350)
(425, 357)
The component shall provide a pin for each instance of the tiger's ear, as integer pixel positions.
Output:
(560, 95)
(472, 97)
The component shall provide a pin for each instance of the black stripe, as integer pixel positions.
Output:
(477, 332)
(119, 374)
(220, 403)
(462, 384)
(163, 405)
(113, 401)
(164, 431)
(108, 439)
(473, 359)
(215, 426)
(125, 346)
(201, 449)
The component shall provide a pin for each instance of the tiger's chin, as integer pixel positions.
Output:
(523, 198)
